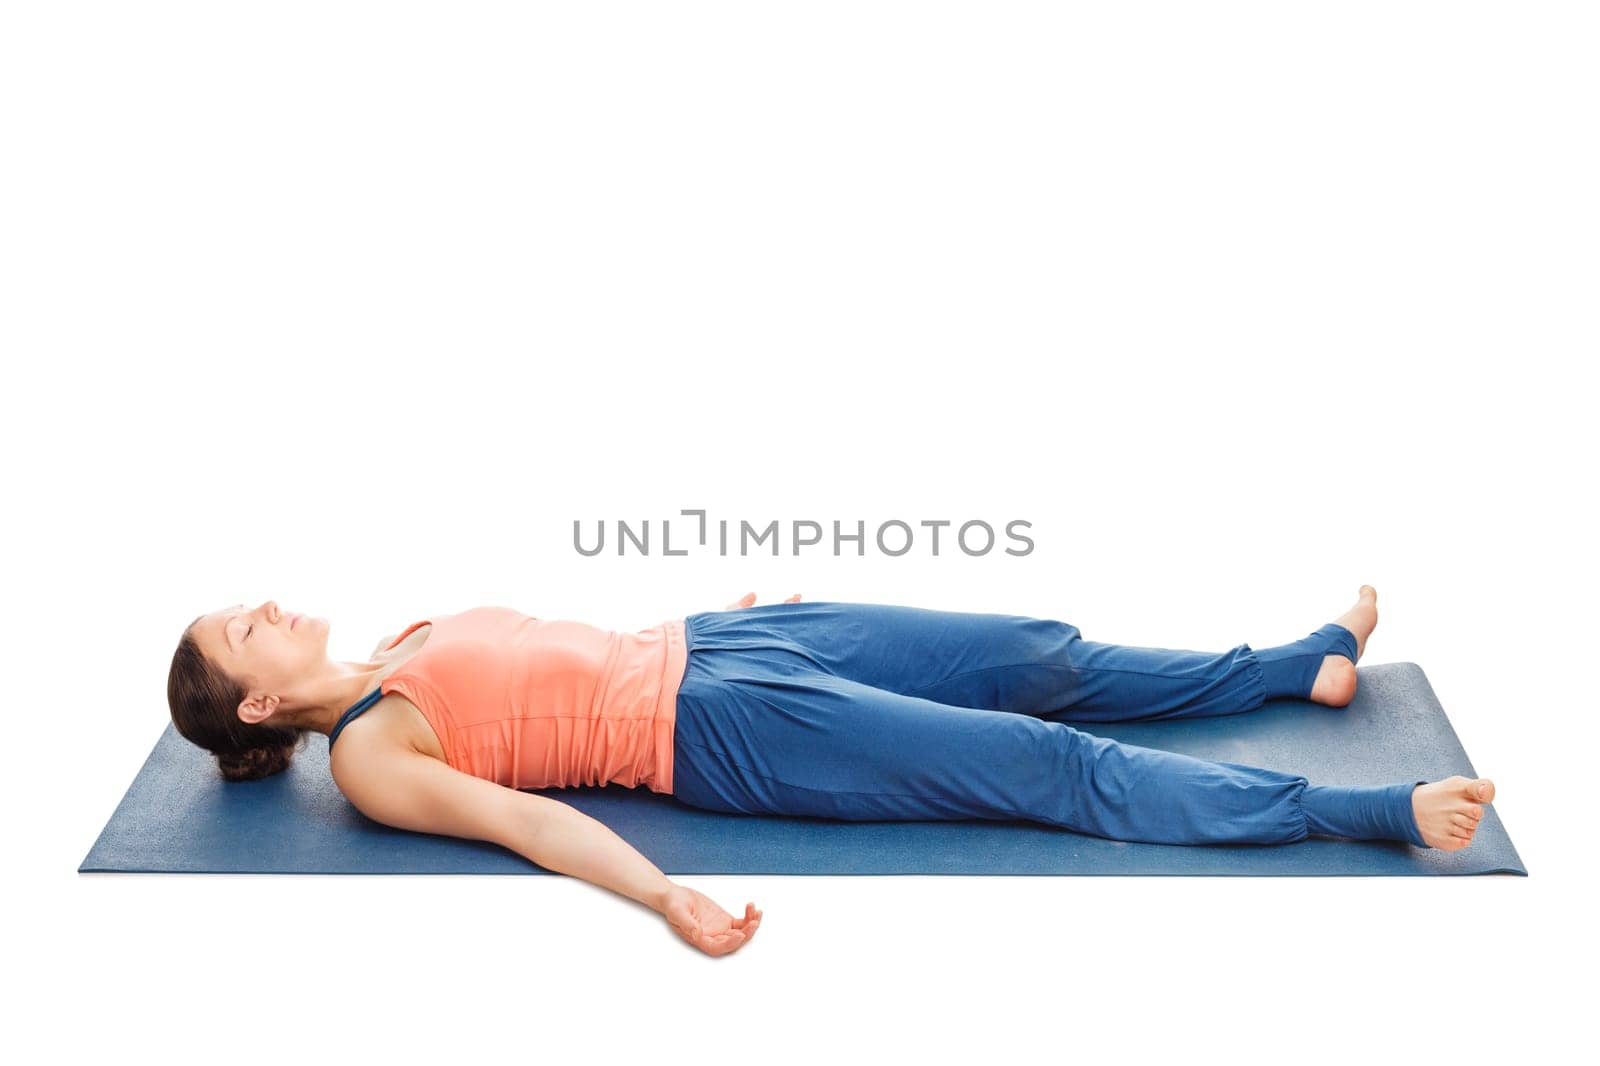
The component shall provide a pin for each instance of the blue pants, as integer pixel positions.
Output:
(869, 712)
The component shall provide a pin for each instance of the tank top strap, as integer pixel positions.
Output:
(354, 712)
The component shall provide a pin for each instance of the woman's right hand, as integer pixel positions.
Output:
(695, 917)
(749, 600)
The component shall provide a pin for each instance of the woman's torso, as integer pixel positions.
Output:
(528, 702)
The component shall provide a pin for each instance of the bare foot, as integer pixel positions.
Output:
(1362, 619)
(1336, 680)
(1448, 812)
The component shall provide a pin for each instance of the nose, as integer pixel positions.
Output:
(272, 611)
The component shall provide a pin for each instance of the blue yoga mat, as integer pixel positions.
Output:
(180, 817)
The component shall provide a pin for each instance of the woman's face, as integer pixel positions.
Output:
(266, 648)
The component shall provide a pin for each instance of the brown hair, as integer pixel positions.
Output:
(204, 702)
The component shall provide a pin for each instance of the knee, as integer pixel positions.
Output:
(1049, 642)
(1059, 632)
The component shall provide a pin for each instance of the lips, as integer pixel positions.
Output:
(294, 620)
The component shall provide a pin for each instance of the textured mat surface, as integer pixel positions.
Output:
(179, 817)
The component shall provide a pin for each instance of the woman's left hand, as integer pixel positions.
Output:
(749, 600)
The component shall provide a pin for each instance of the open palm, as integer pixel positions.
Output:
(697, 919)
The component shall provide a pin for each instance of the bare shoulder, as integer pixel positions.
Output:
(391, 726)
(392, 780)
(407, 648)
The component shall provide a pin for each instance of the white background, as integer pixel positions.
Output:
(358, 306)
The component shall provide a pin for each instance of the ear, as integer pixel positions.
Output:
(256, 711)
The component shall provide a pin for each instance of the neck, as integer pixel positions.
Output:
(333, 693)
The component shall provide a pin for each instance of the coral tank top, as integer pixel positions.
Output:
(542, 703)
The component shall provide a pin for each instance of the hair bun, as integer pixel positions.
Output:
(253, 763)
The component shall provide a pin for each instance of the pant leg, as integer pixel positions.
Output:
(1119, 682)
(1034, 666)
(805, 743)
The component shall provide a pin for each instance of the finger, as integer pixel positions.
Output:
(793, 599)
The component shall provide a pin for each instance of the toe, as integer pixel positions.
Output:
(1483, 790)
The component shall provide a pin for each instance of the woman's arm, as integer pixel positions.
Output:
(402, 787)
(562, 838)
(567, 840)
